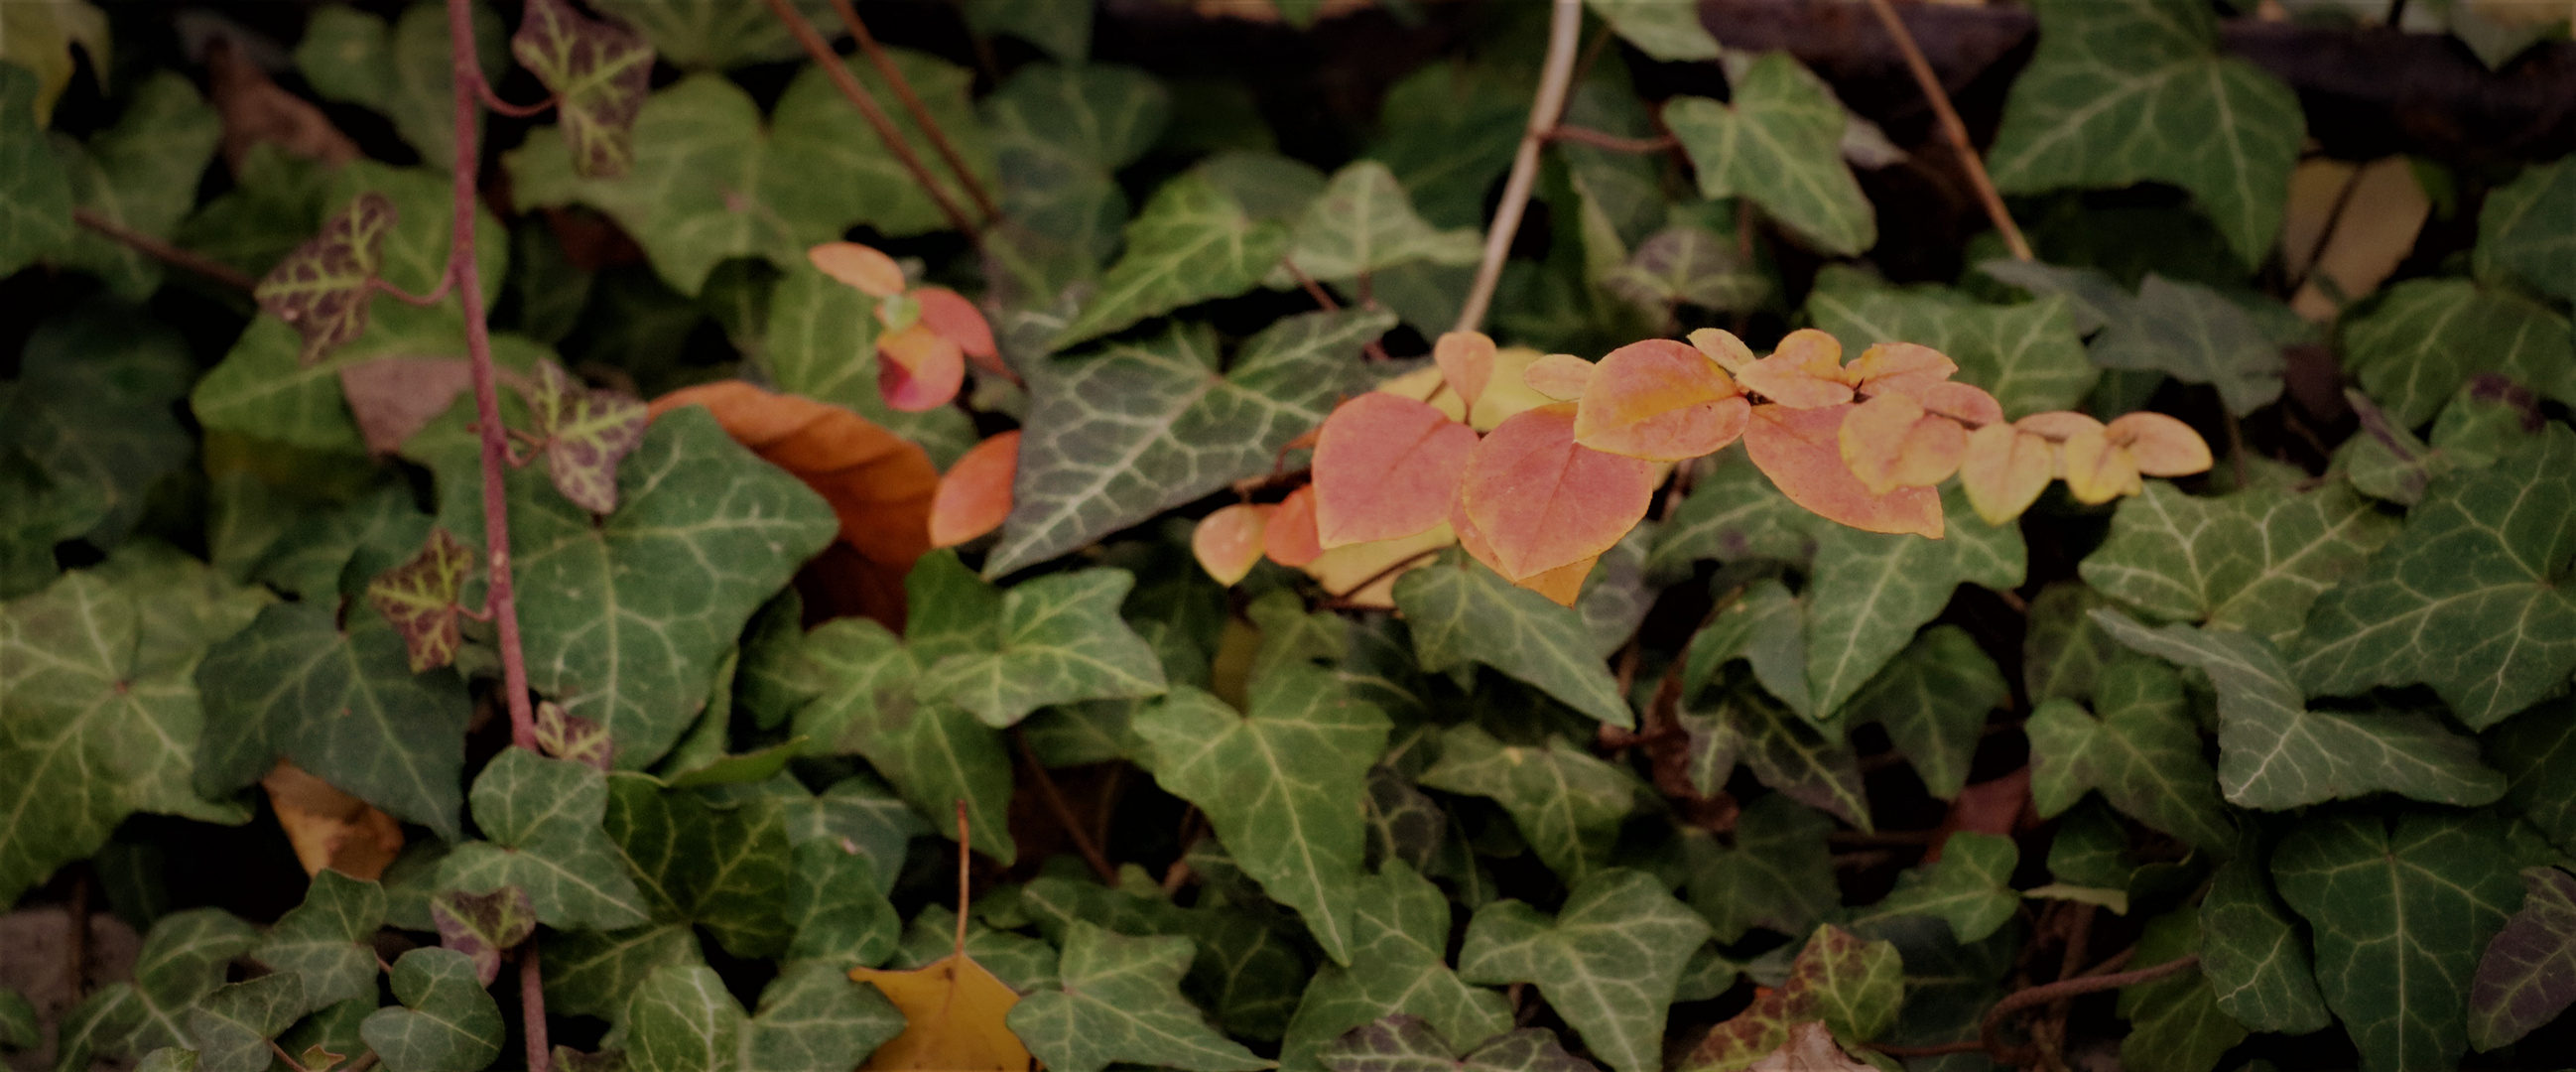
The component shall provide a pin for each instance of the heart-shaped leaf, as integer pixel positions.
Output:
(543, 818)
(447, 1022)
(1399, 967)
(328, 939)
(598, 71)
(326, 286)
(483, 925)
(1121, 1001)
(419, 599)
(1608, 961)
(1567, 803)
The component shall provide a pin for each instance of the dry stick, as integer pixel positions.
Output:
(165, 252)
(1614, 142)
(830, 62)
(1565, 30)
(1064, 816)
(912, 104)
(1957, 131)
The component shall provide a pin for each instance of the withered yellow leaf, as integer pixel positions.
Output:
(953, 1011)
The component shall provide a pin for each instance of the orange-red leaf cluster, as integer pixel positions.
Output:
(927, 333)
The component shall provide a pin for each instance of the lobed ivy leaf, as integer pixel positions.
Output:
(1777, 876)
(592, 972)
(1060, 135)
(419, 599)
(1399, 968)
(839, 913)
(140, 174)
(697, 860)
(35, 194)
(542, 817)
(403, 70)
(1668, 32)
(1566, 802)
(1060, 641)
(2029, 356)
(2135, 91)
(812, 1018)
(2254, 559)
(2253, 953)
(1733, 514)
(1402, 1043)
(483, 925)
(585, 433)
(2425, 338)
(182, 960)
(1786, 752)
(1871, 591)
(2524, 227)
(90, 412)
(598, 72)
(2467, 598)
(1763, 627)
(1249, 967)
(1362, 224)
(820, 134)
(1191, 242)
(1608, 961)
(325, 287)
(2175, 1023)
(1448, 130)
(2524, 975)
(2274, 752)
(1933, 699)
(2195, 335)
(1120, 435)
(2063, 651)
(447, 1022)
(702, 35)
(2400, 916)
(1777, 143)
(232, 1026)
(2143, 753)
(1020, 963)
(861, 813)
(328, 940)
(1969, 887)
(1120, 1001)
(1461, 612)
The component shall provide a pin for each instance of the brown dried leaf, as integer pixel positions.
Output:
(330, 828)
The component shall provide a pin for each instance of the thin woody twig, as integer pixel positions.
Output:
(823, 56)
(165, 252)
(1614, 142)
(1992, 1044)
(1565, 30)
(1956, 130)
(912, 104)
(1064, 816)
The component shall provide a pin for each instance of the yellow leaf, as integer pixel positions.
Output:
(953, 1012)
(330, 828)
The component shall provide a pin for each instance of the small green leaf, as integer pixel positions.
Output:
(1970, 887)
(2400, 917)
(1854, 987)
(812, 1018)
(1666, 31)
(1060, 135)
(1120, 1002)
(1933, 699)
(586, 432)
(543, 818)
(1566, 802)
(2143, 753)
(1363, 223)
(141, 175)
(1399, 967)
(325, 288)
(1402, 1043)
(2252, 952)
(2195, 335)
(419, 599)
(1778, 143)
(599, 73)
(233, 1025)
(483, 925)
(2274, 752)
(1192, 242)
(2253, 559)
(447, 1022)
(2526, 228)
(2134, 91)
(328, 939)
(1608, 961)
(1062, 31)
(2029, 356)
(1061, 641)
(703, 35)
(1022, 963)
(1870, 592)
(1786, 752)
(592, 973)
(35, 195)
(2425, 338)
(1692, 265)
(717, 865)
(840, 915)
(182, 961)
(1777, 876)
(1461, 612)
(2523, 977)
(404, 71)
(2175, 1023)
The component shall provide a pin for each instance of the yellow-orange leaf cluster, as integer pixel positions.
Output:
(928, 333)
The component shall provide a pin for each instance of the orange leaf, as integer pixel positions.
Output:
(1801, 451)
(2096, 470)
(2057, 426)
(880, 485)
(330, 828)
(959, 321)
(862, 267)
(1363, 574)
(1470, 538)
(1290, 538)
(953, 1018)
(1386, 467)
(1229, 541)
(1899, 367)
(1661, 401)
(1723, 347)
(920, 368)
(1563, 584)
(975, 496)
(1559, 376)
(1421, 385)
(1804, 373)
(1543, 500)
(1964, 403)
(2004, 470)
(1889, 442)
(1466, 360)
(2159, 445)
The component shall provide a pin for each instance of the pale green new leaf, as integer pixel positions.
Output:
(2400, 917)
(1364, 223)
(1662, 29)
(2029, 356)
(2425, 338)
(1970, 887)
(543, 818)
(812, 1018)
(1120, 1001)
(1933, 699)
(1399, 966)
(2134, 91)
(1566, 802)
(1192, 242)
(2252, 560)
(1461, 612)
(1061, 641)
(2527, 228)
(1870, 591)
(2252, 950)
(447, 1022)
(1608, 961)
(1117, 436)
(35, 195)
(1279, 785)
(2195, 335)
(140, 174)
(1779, 144)
(327, 939)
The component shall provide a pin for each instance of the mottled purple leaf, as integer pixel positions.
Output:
(2528, 975)
(419, 598)
(570, 736)
(1407, 1044)
(599, 73)
(586, 432)
(482, 925)
(324, 287)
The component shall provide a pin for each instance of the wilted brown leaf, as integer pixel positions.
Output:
(254, 110)
(330, 828)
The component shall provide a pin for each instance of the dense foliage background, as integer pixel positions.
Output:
(2270, 765)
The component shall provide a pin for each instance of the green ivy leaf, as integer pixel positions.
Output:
(839, 913)
(2468, 598)
(1248, 970)
(822, 343)
(1870, 592)
(692, 859)
(1763, 627)
(2425, 338)
(2252, 953)
(859, 812)
(2175, 1023)
(1608, 961)
(543, 818)
(1665, 31)
(1120, 1001)
(701, 35)
(326, 940)
(2195, 335)
(592, 973)
(2522, 979)
(483, 925)
(1778, 142)
(1061, 641)
(2063, 651)
(1277, 785)
(1854, 987)
(140, 174)
(585, 432)
(1362, 224)
(90, 409)
(2128, 92)
(1118, 436)
(1409, 1044)
(1448, 130)
(181, 962)
(1022, 963)
(2526, 228)
(1733, 514)
(1399, 967)
(1192, 242)
(2143, 753)
(1777, 876)
(35, 194)
(404, 71)
(2253, 559)
(820, 134)
(2400, 917)
(18, 1027)
(168, 1059)
(2273, 752)
(1461, 612)
(1933, 699)
(1060, 135)
(1693, 265)
(447, 1022)
(934, 754)
(2029, 356)
(1970, 887)
(1566, 802)
(325, 287)
(812, 1018)
(232, 1026)
(418, 598)
(599, 73)
(1786, 752)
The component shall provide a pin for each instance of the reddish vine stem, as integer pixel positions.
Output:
(532, 1007)
(165, 252)
(912, 104)
(492, 99)
(1957, 131)
(1614, 142)
(1064, 816)
(1992, 1044)
(823, 56)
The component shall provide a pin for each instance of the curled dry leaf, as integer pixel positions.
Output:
(329, 828)
(919, 369)
(862, 268)
(1804, 373)
(1229, 541)
(324, 287)
(1560, 377)
(879, 484)
(1542, 500)
(1661, 401)
(953, 1012)
(1801, 451)
(975, 496)
(1386, 467)
(1289, 539)
(1466, 362)
(419, 598)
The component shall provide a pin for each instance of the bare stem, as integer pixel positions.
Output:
(823, 56)
(1613, 142)
(532, 1007)
(1564, 34)
(1992, 1045)
(1064, 816)
(165, 252)
(912, 105)
(436, 294)
(492, 99)
(1956, 130)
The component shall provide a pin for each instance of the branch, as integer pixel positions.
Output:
(823, 56)
(1990, 1043)
(532, 1006)
(446, 280)
(912, 105)
(165, 252)
(1974, 164)
(1564, 33)
(1613, 142)
(1064, 816)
